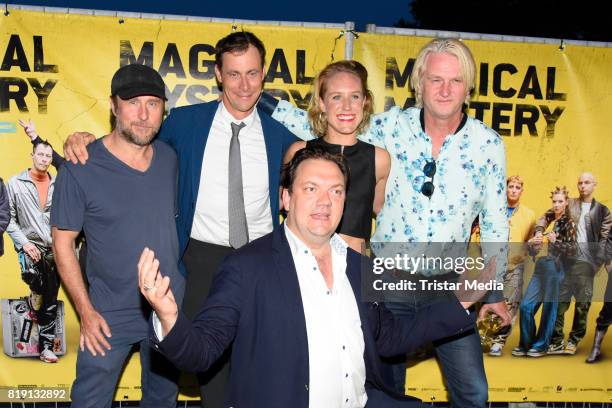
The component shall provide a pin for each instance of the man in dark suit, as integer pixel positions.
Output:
(215, 214)
(290, 304)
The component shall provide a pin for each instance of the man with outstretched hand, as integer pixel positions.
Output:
(290, 306)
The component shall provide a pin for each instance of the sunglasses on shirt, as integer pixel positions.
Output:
(430, 171)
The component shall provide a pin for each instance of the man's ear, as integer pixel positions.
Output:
(218, 74)
(286, 197)
(112, 104)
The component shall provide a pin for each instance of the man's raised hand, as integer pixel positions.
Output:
(29, 128)
(156, 289)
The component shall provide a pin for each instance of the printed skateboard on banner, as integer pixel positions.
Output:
(20, 330)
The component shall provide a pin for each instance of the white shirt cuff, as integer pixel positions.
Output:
(157, 327)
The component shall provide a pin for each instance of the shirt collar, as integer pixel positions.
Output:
(461, 124)
(298, 247)
(248, 121)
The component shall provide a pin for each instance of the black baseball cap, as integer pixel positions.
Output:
(135, 80)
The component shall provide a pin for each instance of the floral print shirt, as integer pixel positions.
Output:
(470, 180)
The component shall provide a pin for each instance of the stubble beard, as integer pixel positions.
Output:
(131, 137)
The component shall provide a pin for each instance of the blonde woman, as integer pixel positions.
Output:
(339, 111)
(560, 238)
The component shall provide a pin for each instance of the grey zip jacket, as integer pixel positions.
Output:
(28, 222)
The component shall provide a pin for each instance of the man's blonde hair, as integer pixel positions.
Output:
(450, 46)
(516, 178)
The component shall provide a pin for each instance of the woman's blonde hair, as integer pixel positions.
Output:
(316, 117)
(451, 46)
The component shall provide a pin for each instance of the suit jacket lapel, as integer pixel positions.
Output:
(274, 151)
(199, 134)
(354, 265)
(290, 290)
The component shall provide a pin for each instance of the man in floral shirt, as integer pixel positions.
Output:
(447, 169)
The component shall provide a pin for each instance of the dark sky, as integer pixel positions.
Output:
(385, 13)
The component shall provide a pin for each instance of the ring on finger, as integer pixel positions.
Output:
(147, 287)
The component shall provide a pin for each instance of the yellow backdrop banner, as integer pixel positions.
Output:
(551, 104)
(56, 70)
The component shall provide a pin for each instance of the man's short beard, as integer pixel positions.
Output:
(128, 135)
(132, 138)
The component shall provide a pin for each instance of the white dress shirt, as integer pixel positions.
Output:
(336, 345)
(211, 221)
(333, 326)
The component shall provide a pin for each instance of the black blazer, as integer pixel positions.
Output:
(255, 303)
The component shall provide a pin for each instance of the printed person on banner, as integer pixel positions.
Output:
(522, 223)
(57, 161)
(553, 247)
(290, 306)
(447, 169)
(124, 197)
(593, 221)
(604, 320)
(30, 194)
(230, 155)
(339, 110)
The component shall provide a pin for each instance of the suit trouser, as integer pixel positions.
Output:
(97, 377)
(202, 261)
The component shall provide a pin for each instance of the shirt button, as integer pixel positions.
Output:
(328, 292)
(314, 268)
(346, 375)
(306, 387)
(343, 347)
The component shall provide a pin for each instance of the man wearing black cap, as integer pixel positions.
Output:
(220, 208)
(123, 198)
